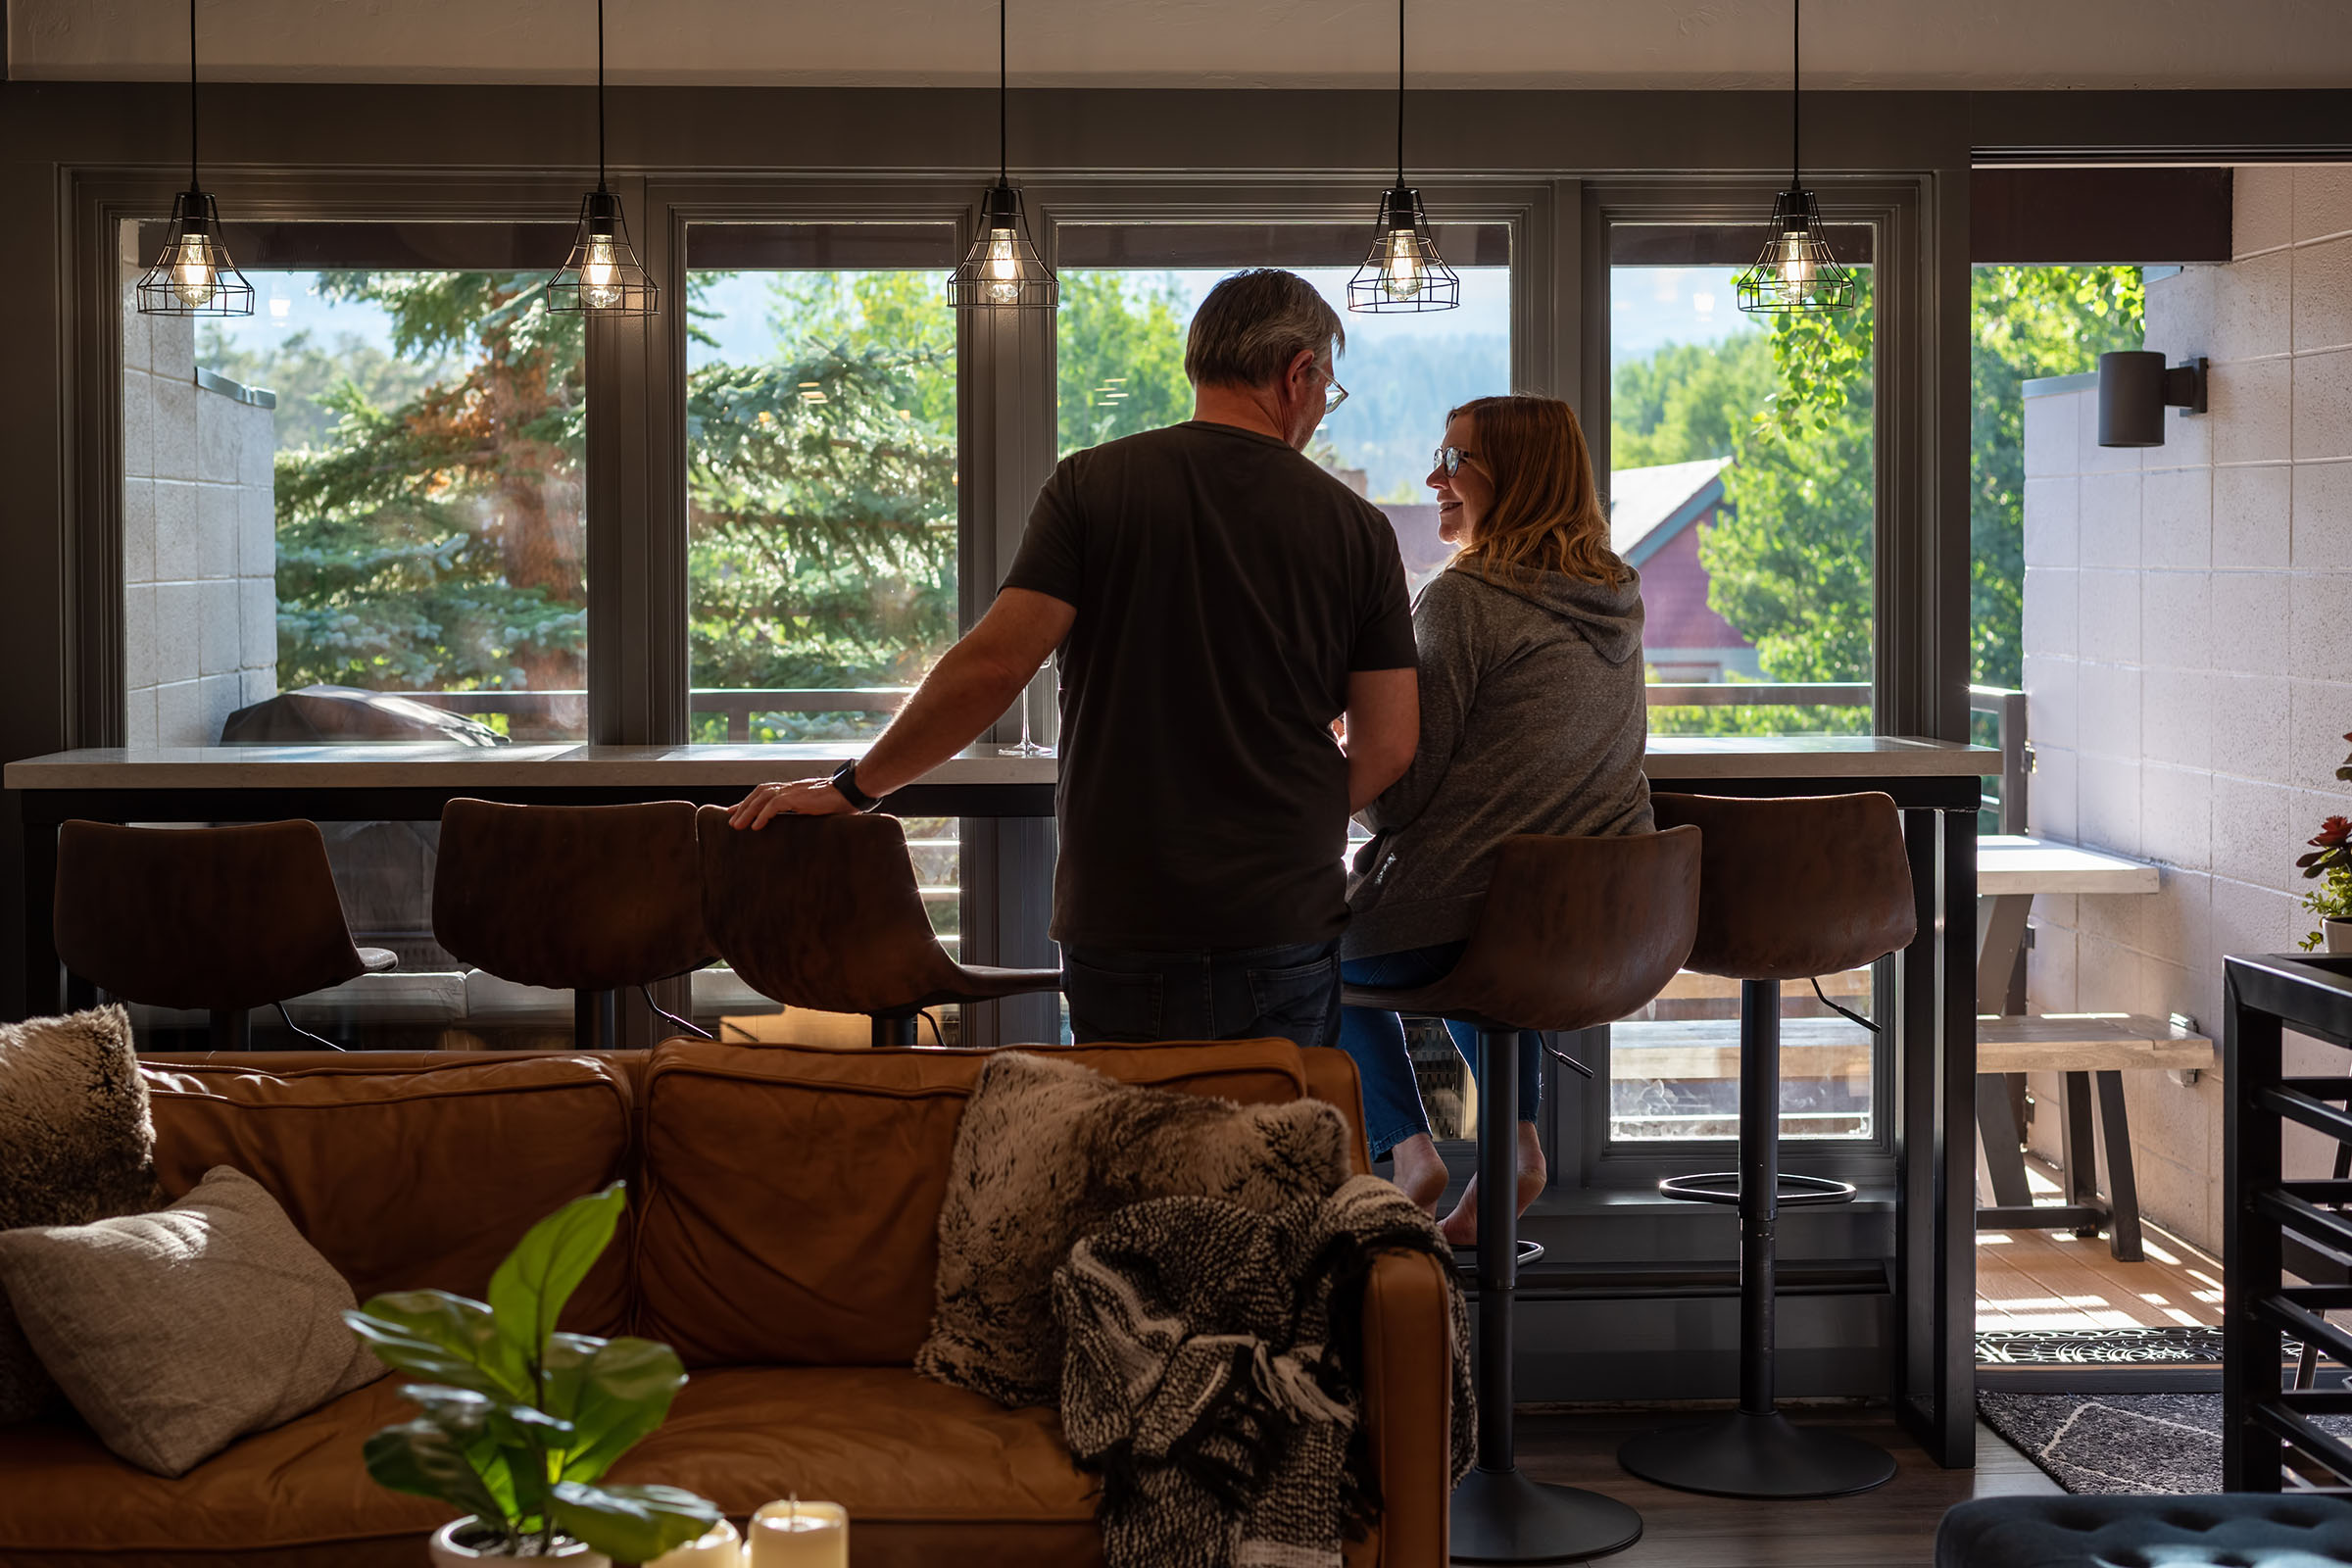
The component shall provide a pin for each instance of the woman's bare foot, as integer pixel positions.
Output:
(1461, 1226)
(1419, 1173)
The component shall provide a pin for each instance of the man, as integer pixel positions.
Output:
(1218, 601)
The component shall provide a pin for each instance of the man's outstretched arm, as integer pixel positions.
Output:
(972, 684)
(1384, 726)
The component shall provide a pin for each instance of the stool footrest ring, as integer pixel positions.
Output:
(1723, 1187)
(1465, 1259)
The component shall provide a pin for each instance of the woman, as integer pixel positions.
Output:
(1532, 720)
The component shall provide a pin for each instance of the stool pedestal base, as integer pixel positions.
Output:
(1744, 1456)
(1501, 1516)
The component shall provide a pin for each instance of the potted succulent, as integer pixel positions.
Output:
(519, 1422)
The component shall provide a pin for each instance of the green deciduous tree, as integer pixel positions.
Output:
(2025, 321)
(1119, 357)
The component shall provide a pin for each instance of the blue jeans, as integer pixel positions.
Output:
(1288, 992)
(1393, 1110)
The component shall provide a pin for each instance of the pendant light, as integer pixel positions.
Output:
(1405, 272)
(602, 276)
(1003, 270)
(1797, 274)
(194, 277)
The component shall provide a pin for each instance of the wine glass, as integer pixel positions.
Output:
(1026, 746)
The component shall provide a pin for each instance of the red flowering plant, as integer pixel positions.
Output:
(2329, 864)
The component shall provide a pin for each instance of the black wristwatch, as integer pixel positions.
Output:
(844, 779)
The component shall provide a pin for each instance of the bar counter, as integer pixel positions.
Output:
(1937, 784)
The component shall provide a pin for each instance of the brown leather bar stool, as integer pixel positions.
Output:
(225, 919)
(1575, 933)
(589, 899)
(1789, 890)
(823, 912)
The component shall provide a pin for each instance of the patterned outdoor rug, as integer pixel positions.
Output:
(2167, 1346)
(2143, 1443)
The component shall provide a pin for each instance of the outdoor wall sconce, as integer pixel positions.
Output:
(2134, 390)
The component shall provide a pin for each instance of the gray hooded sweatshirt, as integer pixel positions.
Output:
(1532, 720)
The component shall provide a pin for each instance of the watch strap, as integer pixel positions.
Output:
(845, 780)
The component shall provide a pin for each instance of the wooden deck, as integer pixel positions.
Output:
(2052, 1280)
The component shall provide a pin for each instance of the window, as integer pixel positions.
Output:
(1743, 455)
(822, 478)
(373, 481)
(1128, 294)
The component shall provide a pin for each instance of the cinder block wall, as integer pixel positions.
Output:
(2188, 653)
(199, 540)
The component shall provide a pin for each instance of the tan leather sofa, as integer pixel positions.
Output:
(782, 1235)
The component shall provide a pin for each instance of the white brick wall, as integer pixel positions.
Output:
(2188, 651)
(199, 541)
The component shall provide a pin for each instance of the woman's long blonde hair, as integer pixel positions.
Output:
(1546, 514)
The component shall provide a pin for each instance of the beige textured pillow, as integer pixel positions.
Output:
(75, 1145)
(177, 1332)
(1045, 1151)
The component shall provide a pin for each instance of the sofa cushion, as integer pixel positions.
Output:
(929, 1473)
(62, 1491)
(408, 1172)
(76, 1144)
(175, 1332)
(792, 1195)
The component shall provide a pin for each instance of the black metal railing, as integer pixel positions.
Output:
(2274, 1230)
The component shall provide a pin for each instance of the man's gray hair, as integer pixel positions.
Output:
(1253, 323)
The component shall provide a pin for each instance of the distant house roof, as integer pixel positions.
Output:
(1648, 505)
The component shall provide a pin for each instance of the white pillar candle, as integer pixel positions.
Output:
(792, 1534)
(718, 1547)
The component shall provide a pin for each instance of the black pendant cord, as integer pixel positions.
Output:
(600, 94)
(1004, 91)
(1796, 77)
(1400, 93)
(192, 179)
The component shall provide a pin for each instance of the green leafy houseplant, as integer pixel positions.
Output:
(521, 1422)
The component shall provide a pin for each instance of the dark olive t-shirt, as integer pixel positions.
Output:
(1225, 588)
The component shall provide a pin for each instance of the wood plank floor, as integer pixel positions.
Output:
(2055, 1280)
(1893, 1527)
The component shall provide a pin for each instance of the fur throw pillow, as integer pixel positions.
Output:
(76, 1144)
(1047, 1151)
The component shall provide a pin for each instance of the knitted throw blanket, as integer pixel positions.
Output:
(1212, 1372)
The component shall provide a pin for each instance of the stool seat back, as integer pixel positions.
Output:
(1797, 887)
(214, 918)
(583, 897)
(1575, 933)
(821, 911)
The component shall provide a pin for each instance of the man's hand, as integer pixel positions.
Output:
(809, 797)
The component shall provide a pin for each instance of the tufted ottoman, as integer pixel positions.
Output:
(2245, 1530)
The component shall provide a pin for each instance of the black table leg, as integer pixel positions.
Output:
(2005, 1151)
(1499, 1514)
(2123, 1185)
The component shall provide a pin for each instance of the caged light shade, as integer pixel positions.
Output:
(193, 274)
(1403, 270)
(602, 276)
(1795, 274)
(1003, 270)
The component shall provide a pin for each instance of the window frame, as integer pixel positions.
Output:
(1893, 209)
